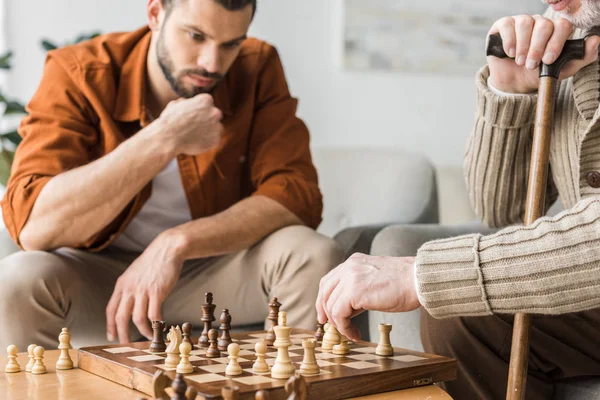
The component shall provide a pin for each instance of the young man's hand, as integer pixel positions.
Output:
(143, 287)
(366, 283)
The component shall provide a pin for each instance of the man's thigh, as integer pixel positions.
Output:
(560, 347)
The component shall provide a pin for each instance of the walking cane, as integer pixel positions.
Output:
(535, 205)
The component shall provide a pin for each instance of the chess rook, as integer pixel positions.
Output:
(274, 307)
(384, 347)
(283, 367)
(208, 316)
(225, 339)
(309, 364)
(12, 365)
(158, 342)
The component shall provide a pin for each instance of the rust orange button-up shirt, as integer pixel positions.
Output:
(92, 98)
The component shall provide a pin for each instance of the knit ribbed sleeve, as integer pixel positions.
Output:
(497, 156)
(549, 267)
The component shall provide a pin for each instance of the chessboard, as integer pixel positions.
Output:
(358, 373)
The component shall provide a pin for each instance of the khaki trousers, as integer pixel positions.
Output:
(561, 347)
(44, 291)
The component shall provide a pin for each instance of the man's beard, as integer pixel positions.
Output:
(177, 84)
(587, 17)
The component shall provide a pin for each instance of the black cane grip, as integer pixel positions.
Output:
(573, 50)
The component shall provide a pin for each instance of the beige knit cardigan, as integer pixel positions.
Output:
(550, 267)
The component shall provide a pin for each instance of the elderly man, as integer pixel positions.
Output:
(470, 285)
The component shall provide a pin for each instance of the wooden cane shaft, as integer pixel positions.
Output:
(535, 208)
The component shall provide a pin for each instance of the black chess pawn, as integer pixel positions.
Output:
(186, 329)
(179, 387)
(208, 316)
(225, 339)
(158, 341)
(213, 349)
(320, 332)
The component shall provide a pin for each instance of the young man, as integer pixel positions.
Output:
(550, 269)
(155, 166)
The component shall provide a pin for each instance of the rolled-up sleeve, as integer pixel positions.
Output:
(57, 136)
(280, 161)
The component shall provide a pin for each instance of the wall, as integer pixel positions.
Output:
(430, 114)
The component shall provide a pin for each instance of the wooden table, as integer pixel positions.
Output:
(78, 384)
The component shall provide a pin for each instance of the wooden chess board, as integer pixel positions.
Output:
(358, 373)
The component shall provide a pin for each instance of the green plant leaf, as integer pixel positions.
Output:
(14, 107)
(6, 160)
(5, 60)
(13, 137)
(47, 45)
(86, 36)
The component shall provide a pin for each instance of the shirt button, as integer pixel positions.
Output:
(593, 179)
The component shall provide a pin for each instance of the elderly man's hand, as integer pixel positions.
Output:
(366, 283)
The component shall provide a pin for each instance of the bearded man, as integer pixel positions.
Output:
(470, 286)
(155, 166)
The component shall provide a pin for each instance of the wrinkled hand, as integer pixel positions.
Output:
(141, 290)
(364, 283)
(530, 40)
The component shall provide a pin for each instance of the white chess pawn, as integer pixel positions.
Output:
(233, 368)
(64, 361)
(185, 366)
(38, 367)
(260, 366)
(309, 364)
(31, 357)
(384, 348)
(331, 338)
(12, 365)
(342, 348)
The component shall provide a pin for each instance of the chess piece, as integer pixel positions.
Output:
(260, 366)
(331, 338)
(384, 347)
(179, 387)
(274, 307)
(213, 349)
(225, 339)
(233, 368)
(38, 367)
(309, 364)
(64, 361)
(230, 392)
(297, 388)
(342, 348)
(319, 333)
(160, 381)
(12, 365)
(186, 330)
(175, 340)
(158, 342)
(31, 357)
(185, 366)
(261, 395)
(208, 316)
(283, 367)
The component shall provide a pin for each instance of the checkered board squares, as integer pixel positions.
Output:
(355, 372)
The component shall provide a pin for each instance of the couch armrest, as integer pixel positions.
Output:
(358, 239)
